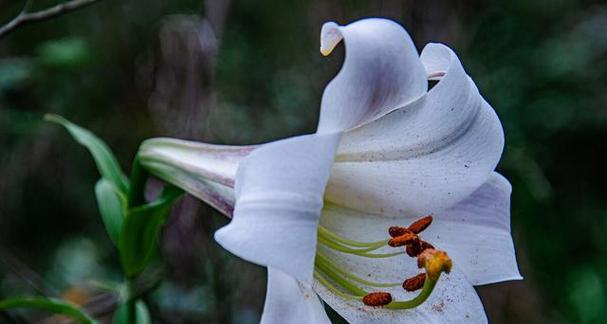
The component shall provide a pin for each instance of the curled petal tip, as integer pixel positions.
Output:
(330, 36)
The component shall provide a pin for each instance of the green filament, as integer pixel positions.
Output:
(328, 273)
(322, 231)
(318, 276)
(418, 300)
(334, 275)
(360, 252)
(321, 258)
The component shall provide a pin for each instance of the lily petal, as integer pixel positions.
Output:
(453, 300)
(279, 197)
(425, 157)
(476, 233)
(289, 301)
(206, 171)
(381, 72)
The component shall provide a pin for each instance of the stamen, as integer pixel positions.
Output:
(322, 258)
(414, 283)
(377, 299)
(322, 231)
(404, 239)
(318, 276)
(417, 247)
(345, 284)
(360, 252)
(421, 224)
(418, 300)
(395, 231)
(333, 275)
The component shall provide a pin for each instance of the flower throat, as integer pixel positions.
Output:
(347, 285)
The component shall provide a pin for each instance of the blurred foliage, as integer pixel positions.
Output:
(541, 64)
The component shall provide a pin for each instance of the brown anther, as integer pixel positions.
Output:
(435, 262)
(377, 299)
(421, 224)
(413, 250)
(396, 231)
(414, 283)
(416, 247)
(404, 239)
(426, 245)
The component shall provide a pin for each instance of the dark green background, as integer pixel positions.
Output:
(249, 71)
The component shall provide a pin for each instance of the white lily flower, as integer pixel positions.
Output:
(316, 209)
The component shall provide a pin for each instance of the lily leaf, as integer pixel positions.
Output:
(104, 158)
(141, 310)
(111, 206)
(48, 304)
(140, 231)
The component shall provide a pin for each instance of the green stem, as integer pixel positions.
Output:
(418, 300)
(131, 306)
(137, 189)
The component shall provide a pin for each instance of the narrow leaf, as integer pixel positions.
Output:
(48, 304)
(140, 231)
(104, 158)
(111, 206)
(141, 310)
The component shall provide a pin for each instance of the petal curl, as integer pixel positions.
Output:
(279, 196)
(206, 171)
(289, 301)
(453, 300)
(425, 157)
(381, 72)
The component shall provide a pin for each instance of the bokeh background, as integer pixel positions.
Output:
(246, 71)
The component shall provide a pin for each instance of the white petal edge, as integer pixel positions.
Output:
(381, 72)
(454, 299)
(279, 196)
(476, 233)
(289, 301)
(425, 157)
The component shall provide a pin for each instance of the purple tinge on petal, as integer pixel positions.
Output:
(425, 157)
(381, 72)
(206, 171)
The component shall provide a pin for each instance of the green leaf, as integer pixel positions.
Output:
(106, 162)
(48, 304)
(111, 205)
(141, 310)
(140, 231)
(67, 53)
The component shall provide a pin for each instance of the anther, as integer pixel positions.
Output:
(414, 283)
(396, 231)
(401, 240)
(435, 262)
(421, 224)
(377, 299)
(417, 247)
